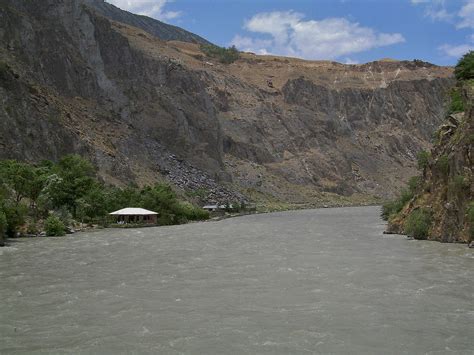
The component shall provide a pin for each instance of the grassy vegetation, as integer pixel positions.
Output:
(393, 207)
(224, 55)
(418, 224)
(58, 193)
(414, 183)
(456, 102)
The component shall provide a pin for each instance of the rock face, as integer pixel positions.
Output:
(448, 181)
(72, 80)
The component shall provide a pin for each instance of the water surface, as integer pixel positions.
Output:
(313, 281)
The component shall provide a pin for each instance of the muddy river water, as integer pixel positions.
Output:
(312, 281)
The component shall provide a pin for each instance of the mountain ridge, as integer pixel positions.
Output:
(154, 27)
(272, 128)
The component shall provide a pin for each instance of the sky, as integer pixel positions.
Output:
(347, 31)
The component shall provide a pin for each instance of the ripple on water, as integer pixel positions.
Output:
(322, 281)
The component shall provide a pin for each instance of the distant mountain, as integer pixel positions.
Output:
(156, 28)
(277, 129)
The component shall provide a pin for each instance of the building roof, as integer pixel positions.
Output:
(131, 211)
(210, 207)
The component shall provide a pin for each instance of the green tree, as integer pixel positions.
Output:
(74, 178)
(18, 176)
(93, 204)
(224, 55)
(117, 198)
(464, 69)
(37, 184)
(423, 159)
(162, 199)
(15, 214)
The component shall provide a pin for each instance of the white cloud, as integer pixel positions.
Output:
(455, 51)
(467, 15)
(435, 10)
(438, 14)
(248, 44)
(287, 33)
(151, 8)
(464, 19)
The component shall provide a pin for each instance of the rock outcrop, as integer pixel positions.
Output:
(447, 187)
(82, 76)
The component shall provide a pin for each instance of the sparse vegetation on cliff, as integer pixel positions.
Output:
(222, 54)
(423, 159)
(456, 103)
(441, 207)
(418, 224)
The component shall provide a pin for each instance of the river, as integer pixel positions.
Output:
(311, 281)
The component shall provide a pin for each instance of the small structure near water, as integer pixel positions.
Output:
(135, 215)
(220, 208)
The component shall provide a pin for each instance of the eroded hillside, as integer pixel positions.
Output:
(443, 197)
(143, 109)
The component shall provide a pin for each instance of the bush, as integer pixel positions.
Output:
(388, 209)
(224, 55)
(464, 70)
(418, 224)
(63, 215)
(423, 159)
(395, 206)
(54, 227)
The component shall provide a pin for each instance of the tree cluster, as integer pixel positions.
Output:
(70, 190)
(224, 55)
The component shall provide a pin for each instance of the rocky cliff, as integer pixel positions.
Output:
(74, 80)
(156, 28)
(446, 190)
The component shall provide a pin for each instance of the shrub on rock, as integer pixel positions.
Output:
(54, 227)
(418, 224)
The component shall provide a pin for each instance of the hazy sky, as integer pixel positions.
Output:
(348, 31)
